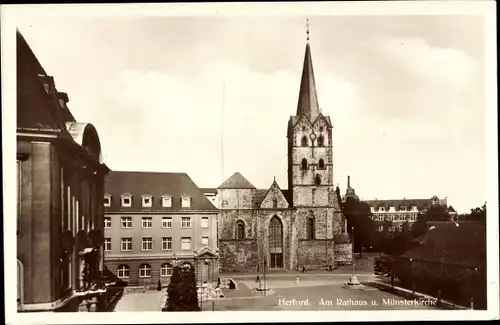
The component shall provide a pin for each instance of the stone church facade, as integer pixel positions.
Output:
(287, 229)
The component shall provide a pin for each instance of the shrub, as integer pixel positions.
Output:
(182, 291)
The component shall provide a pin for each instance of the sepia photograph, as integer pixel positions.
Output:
(254, 162)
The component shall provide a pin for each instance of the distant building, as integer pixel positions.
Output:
(60, 182)
(154, 221)
(287, 229)
(398, 211)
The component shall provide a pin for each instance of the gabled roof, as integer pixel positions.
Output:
(236, 181)
(258, 197)
(155, 184)
(308, 98)
(276, 188)
(462, 243)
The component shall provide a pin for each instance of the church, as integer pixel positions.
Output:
(294, 228)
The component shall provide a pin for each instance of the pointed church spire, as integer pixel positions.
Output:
(308, 99)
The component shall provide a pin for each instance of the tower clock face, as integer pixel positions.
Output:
(313, 136)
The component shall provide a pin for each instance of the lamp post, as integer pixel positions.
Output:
(353, 256)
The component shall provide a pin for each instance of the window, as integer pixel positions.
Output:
(204, 240)
(304, 141)
(147, 243)
(321, 141)
(123, 271)
(414, 208)
(166, 243)
(303, 129)
(204, 222)
(147, 222)
(166, 270)
(321, 164)
(126, 200)
(380, 228)
(186, 222)
(313, 196)
(107, 222)
(126, 244)
(107, 200)
(185, 243)
(147, 201)
(402, 208)
(240, 230)
(320, 129)
(166, 222)
(126, 222)
(185, 202)
(145, 271)
(166, 201)
(275, 202)
(310, 228)
(317, 180)
(381, 209)
(303, 165)
(107, 244)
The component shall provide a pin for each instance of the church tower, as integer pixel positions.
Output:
(310, 168)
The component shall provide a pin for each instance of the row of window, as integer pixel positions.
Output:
(240, 232)
(147, 201)
(304, 129)
(147, 222)
(401, 208)
(391, 228)
(305, 141)
(144, 271)
(304, 165)
(396, 217)
(147, 243)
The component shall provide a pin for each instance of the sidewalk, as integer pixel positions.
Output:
(294, 274)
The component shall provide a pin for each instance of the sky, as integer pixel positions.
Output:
(211, 96)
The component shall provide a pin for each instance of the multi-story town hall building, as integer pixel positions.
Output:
(287, 228)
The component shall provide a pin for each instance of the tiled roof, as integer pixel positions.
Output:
(288, 196)
(420, 203)
(446, 242)
(237, 181)
(36, 109)
(155, 184)
(209, 190)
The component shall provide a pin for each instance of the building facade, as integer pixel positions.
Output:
(60, 182)
(154, 221)
(398, 212)
(293, 228)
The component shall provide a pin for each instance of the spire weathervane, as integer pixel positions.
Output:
(307, 27)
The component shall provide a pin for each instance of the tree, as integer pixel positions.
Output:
(358, 215)
(402, 239)
(437, 213)
(477, 214)
(420, 226)
(182, 291)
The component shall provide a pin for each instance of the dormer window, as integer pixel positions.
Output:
(166, 201)
(126, 200)
(107, 200)
(147, 201)
(381, 209)
(402, 208)
(185, 202)
(414, 208)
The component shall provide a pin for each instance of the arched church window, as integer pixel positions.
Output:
(240, 230)
(320, 129)
(304, 164)
(317, 180)
(275, 203)
(303, 129)
(321, 141)
(304, 141)
(321, 164)
(310, 228)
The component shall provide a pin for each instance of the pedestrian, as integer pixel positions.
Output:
(330, 268)
(159, 285)
(258, 279)
(303, 269)
(297, 280)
